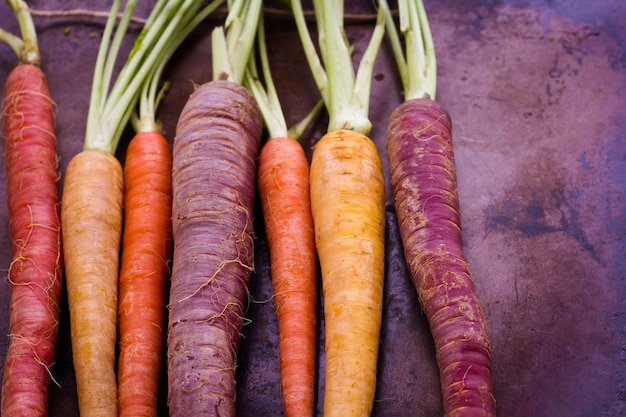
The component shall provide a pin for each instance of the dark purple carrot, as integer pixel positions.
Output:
(424, 185)
(215, 151)
(423, 178)
(34, 227)
(214, 179)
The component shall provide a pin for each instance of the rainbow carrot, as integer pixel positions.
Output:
(424, 184)
(348, 206)
(283, 179)
(215, 150)
(34, 225)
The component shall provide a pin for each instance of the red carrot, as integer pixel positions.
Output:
(214, 173)
(424, 185)
(283, 179)
(33, 202)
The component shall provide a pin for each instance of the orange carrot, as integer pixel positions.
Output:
(348, 206)
(34, 225)
(283, 178)
(284, 192)
(147, 244)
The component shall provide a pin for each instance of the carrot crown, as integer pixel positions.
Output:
(111, 107)
(26, 48)
(417, 63)
(345, 94)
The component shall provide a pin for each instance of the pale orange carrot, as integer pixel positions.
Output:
(91, 216)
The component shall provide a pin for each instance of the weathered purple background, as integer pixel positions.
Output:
(537, 94)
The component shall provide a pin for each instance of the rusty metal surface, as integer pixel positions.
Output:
(537, 94)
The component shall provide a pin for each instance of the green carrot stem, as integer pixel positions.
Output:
(232, 43)
(417, 63)
(14, 42)
(345, 94)
(267, 95)
(152, 93)
(29, 53)
(111, 108)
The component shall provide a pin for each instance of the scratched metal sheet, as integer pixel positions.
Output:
(537, 93)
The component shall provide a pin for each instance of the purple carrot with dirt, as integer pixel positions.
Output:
(424, 185)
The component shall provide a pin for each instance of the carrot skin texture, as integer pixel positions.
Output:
(424, 184)
(146, 248)
(285, 198)
(91, 217)
(35, 230)
(214, 174)
(348, 205)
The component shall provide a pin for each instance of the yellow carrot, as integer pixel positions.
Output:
(348, 207)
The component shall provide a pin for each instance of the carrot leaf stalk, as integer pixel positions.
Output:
(35, 273)
(213, 184)
(91, 211)
(283, 181)
(348, 207)
(13, 41)
(417, 63)
(424, 185)
(26, 47)
(233, 42)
